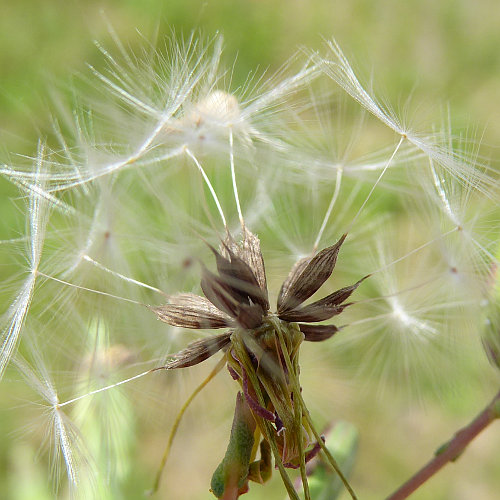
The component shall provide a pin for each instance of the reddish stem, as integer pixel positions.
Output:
(451, 450)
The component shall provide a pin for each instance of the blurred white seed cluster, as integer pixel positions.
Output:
(164, 153)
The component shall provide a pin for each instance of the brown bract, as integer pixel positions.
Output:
(237, 297)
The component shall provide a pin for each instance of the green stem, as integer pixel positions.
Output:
(240, 348)
(306, 413)
(292, 370)
(326, 451)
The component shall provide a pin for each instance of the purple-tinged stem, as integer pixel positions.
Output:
(451, 450)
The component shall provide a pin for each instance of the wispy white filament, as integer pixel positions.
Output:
(280, 90)
(209, 184)
(442, 195)
(67, 283)
(375, 185)
(61, 437)
(233, 176)
(113, 167)
(64, 439)
(121, 276)
(342, 73)
(421, 310)
(330, 207)
(416, 325)
(106, 388)
(415, 250)
(16, 315)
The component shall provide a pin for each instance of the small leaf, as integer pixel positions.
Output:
(199, 351)
(187, 310)
(261, 470)
(307, 277)
(232, 473)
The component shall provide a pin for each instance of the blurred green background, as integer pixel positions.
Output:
(440, 52)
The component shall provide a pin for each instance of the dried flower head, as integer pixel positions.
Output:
(261, 349)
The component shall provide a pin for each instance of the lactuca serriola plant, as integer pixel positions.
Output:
(163, 154)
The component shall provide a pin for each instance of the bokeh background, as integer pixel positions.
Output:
(442, 53)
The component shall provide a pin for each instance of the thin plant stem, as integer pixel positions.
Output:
(451, 450)
(178, 419)
(306, 413)
(326, 451)
(267, 430)
(292, 370)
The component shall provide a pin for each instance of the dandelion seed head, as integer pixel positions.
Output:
(408, 323)
(461, 167)
(61, 435)
(38, 213)
(166, 154)
(218, 107)
(206, 123)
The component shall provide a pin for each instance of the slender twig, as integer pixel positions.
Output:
(451, 450)
(173, 432)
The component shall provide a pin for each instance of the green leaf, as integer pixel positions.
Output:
(232, 472)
